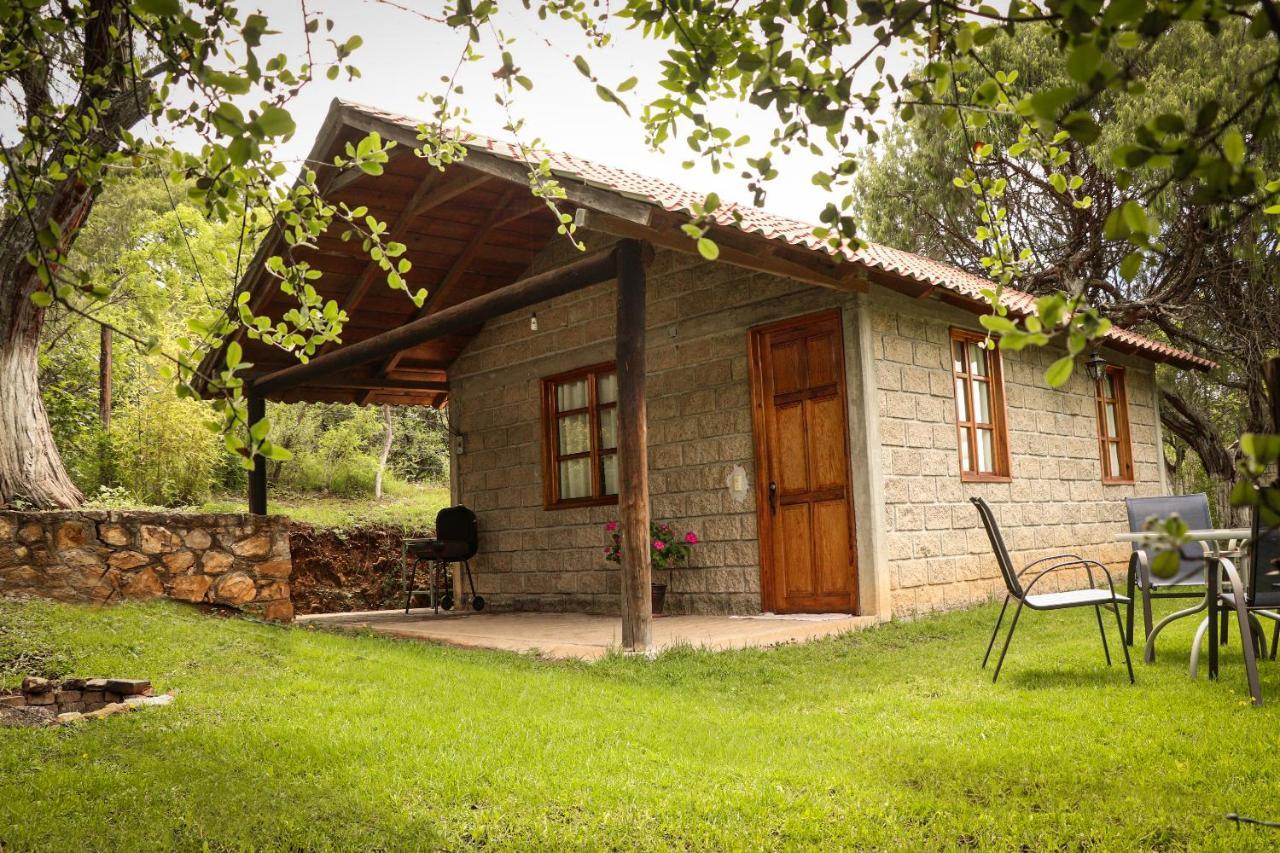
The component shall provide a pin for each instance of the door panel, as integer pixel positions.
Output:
(807, 541)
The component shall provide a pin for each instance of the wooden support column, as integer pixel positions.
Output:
(104, 378)
(633, 450)
(258, 476)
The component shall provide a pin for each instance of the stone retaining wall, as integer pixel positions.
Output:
(235, 560)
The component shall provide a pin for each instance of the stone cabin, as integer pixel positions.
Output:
(818, 421)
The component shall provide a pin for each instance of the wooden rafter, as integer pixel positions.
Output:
(463, 184)
(449, 283)
(584, 272)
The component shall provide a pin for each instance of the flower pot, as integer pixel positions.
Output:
(658, 596)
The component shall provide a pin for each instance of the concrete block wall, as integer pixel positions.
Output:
(937, 551)
(699, 407)
(931, 545)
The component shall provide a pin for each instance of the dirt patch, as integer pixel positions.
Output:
(338, 571)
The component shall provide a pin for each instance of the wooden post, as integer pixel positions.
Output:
(1273, 387)
(104, 379)
(258, 476)
(633, 449)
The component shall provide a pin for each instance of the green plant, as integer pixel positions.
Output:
(666, 547)
(164, 454)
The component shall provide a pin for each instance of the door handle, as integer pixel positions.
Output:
(773, 497)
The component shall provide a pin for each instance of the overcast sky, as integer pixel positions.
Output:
(404, 56)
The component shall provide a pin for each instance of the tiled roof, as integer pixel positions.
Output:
(753, 220)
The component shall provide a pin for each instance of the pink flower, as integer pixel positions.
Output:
(611, 526)
(658, 544)
(691, 538)
(666, 528)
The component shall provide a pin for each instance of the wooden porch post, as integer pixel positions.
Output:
(258, 476)
(633, 449)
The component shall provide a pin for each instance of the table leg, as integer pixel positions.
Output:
(1212, 583)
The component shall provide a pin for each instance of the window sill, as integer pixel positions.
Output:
(1107, 482)
(609, 500)
(986, 478)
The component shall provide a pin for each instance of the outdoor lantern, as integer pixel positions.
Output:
(533, 322)
(1096, 366)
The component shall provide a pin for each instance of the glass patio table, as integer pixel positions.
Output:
(1214, 539)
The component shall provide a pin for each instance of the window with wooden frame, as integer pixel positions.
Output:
(1113, 427)
(980, 420)
(580, 437)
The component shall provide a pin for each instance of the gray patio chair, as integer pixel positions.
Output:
(1095, 597)
(1259, 594)
(1194, 510)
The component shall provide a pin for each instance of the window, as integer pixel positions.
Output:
(580, 437)
(1113, 428)
(980, 426)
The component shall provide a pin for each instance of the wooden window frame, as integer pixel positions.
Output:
(998, 425)
(1123, 438)
(551, 456)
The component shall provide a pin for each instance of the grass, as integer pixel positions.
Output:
(891, 738)
(411, 507)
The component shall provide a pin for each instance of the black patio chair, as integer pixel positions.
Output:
(1194, 510)
(1259, 594)
(1095, 597)
(457, 540)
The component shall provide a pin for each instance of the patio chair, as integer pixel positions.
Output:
(457, 540)
(1095, 597)
(1194, 510)
(1259, 594)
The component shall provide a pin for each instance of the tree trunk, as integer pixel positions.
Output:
(386, 451)
(1218, 460)
(30, 469)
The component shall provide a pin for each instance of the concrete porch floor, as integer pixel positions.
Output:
(587, 637)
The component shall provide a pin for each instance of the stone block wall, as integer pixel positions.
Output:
(236, 560)
(932, 547)
(699, 407)
(937, 550)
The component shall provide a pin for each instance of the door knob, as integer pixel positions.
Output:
(773, 497)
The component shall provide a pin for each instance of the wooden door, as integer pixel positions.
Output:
(808, 559)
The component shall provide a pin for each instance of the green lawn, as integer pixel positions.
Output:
(412, 507)
(893, 738)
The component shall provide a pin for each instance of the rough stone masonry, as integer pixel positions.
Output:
(234, 560)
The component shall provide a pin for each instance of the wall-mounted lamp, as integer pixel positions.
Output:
(736, 482)
(458, 445)
(533, 322)
(1096, 366)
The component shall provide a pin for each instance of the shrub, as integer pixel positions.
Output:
(163, 452)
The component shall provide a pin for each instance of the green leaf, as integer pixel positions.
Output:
(42, 299)
(1060, 371)
(1123, 11)
(259, 430)
(1233, 146)
(1131, 265)
(1046, 104)
(1059, 182)
(234, 354)
(1166, 563)
(275, 121)
(1083, 62)
(582, 66)
(159, 7)
(708, 249)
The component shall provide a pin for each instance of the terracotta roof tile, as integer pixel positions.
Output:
(753, 220)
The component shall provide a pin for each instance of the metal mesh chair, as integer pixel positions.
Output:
(1194, 510)
(457, 540)
(1095, 597)
(1259, 595)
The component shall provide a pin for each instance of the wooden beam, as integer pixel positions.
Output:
(633, 450)
(459, 186)
(759, 262)
(455, 272)
(582, 273)
(257, 476)
(372, 268)
(577, 193)
(376, 383)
